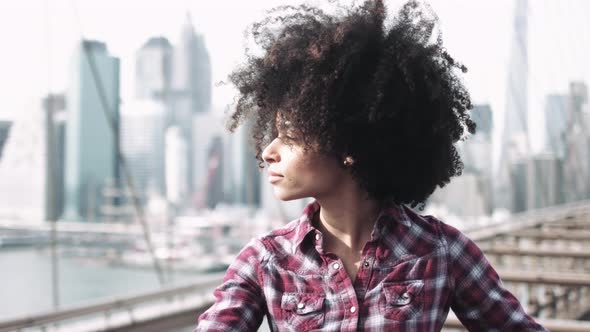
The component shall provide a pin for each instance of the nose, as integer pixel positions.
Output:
(270, 153)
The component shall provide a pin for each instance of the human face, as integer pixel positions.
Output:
(296, 173)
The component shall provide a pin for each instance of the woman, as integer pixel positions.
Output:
(363, 117)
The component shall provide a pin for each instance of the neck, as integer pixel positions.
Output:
(347, 218)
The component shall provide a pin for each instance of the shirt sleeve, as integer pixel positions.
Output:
(478, 298)
(239, 300)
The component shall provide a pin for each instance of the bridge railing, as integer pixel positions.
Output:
(110, 314)
(183, 302)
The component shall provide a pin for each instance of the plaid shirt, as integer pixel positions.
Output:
(412, 271)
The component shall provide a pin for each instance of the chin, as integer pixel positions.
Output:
(288, 196)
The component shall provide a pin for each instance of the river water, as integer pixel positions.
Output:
(26, 285)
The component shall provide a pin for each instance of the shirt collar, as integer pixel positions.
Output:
(390, 214)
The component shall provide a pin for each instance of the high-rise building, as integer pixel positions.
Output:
(214, 185)
(519, 185)
(464, 196)
(153, 69)
(146, 120)
(515, 142)
(556, 118)
(206, 128)
(579, 96)
(176, 167)
(482, 116)
(143, 126)
(4, 130)
(55, 123)
(476, 151)
(516, 112)
(191, 79)
(246, 173)
(537, 182)
(476, 154)
(60, 129)
(545, 184)
(577, 140)
(92, 129)
(23, 168)
(191, 89)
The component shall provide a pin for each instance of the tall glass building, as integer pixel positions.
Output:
(91, 140)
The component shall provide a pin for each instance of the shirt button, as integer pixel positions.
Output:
(317, 237)
(300, 305)
(353, 309)
(335, 266)
(367, 264)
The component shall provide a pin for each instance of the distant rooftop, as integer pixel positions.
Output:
(94, 45)
(157, 42)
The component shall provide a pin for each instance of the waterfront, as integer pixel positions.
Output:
(26, 285)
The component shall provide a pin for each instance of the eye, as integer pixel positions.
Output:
(286, 138)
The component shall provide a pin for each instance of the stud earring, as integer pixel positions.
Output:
(348, 161)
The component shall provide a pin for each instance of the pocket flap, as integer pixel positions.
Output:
(401, 294)
(302, 303)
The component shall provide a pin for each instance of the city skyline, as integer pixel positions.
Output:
(177, 74)
(479, 41)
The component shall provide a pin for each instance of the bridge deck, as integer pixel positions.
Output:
(541, 256)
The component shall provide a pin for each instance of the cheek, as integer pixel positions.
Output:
(317, 172)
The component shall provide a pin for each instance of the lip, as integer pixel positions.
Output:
(273, 173)
(274, 177)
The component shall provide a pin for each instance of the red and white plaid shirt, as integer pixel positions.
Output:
(412, 271)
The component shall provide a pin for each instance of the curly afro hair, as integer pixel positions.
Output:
(387, 96)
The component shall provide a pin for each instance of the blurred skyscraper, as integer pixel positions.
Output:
(23, 167)
(545, 185)
(55, 126)
(191, 90)
(477, 155)
(176, 167)
(143, 126)
(519, 185)
(179, 77)
(577, 141)
(482, 116)
(191, 79)
(153, 70)
(515, 143)
(556, 114)
(470, 195)
(476, 151)
(214, 184)
(208, 134)
(91, 142)
(4, 130)
(246, 173)
(537, 182)
(516, 112)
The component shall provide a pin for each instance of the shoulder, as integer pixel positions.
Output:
(285, 239)
(276, 242)
(449, 235)
(458, 245)
(428, 227)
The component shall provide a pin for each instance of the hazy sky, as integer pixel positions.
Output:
(39, 35)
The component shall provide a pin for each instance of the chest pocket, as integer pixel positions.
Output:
(303, 311)
(402, 300)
